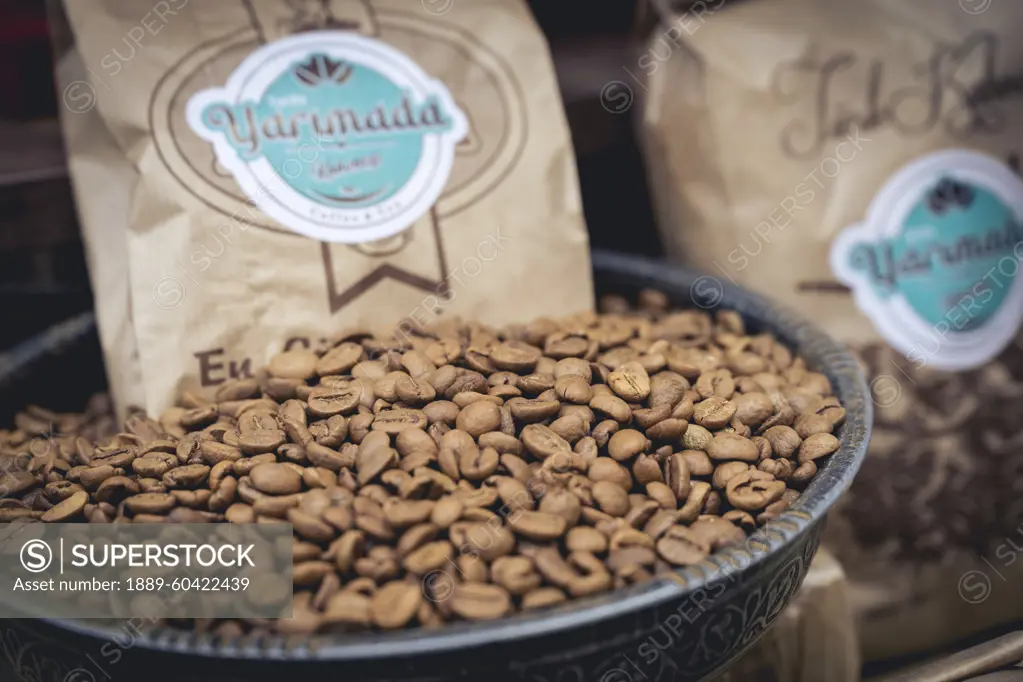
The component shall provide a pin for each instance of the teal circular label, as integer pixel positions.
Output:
(936, 265)
(337, 136)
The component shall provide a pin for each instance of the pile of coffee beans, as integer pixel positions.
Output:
(464, 473)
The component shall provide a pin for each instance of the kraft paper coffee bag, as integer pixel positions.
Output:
(256, 174)
(858, 161)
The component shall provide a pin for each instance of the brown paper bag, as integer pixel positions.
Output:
(858, 162)
(254, 174)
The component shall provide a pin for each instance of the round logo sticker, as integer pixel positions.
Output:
(337, 136)
(936, 264)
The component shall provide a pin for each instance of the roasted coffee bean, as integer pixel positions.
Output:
(516, 574)
(753, 490)
(699, 462)
(395, 604)
(784, 440)
(803, 474)
(611, 498)
(630, 382)
(543, 597)
(294, 364)
(696, 437)
(543, 442)
(561, 502)
(646, 470)
(726, 446)
(339, 359)
(626, 444)
(817, 445)
(694, 504)
(663, 495)
(276, 479)
(724, 472)
(677, 475)
(67, 509)
(714, 412)
(429, 557)
(586, 539)
(399, 419)
(753, 409)
(477, 601)
(463, 472)
(606, 469)
(479, 418)
(188, 476)
(539, 526)
(680, 546)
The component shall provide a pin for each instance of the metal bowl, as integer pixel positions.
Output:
(684, 629)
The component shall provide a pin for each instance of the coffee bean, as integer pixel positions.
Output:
(395, 604)
(90, 477)
(803, 474)
(524, 466)
(630, 382)
(429, 557)
(724, 472)
(339, 359)
(67, 509)
(753, 490)
(188, 476)
(112, 490)
(540, 526)
(646, 470)
(817, 445)
(713, 412)
(309, 527)
(607, 469)
(696, 437)
(699, 462)
(561, 502)
(479, 418)
(542, 598)
(374, 456)
(626, 444)
(399, 419)
(275, 479)
(542, 442)
(516, 574)
(753, 409)
(326, 401)
(594, 579)
(680, 546)
(612, 406)
(662, 495)
(476, 601)
(668, 430)
(725, 446)
(586, 539)
(515, 356)
(348, 609)
(294, 364)
(784, 440)
(611, 498)
(150, 503)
